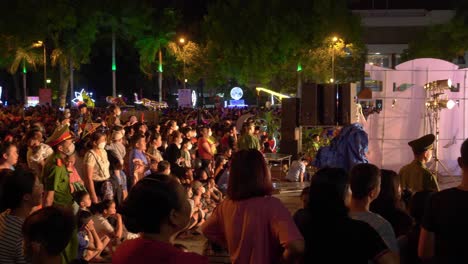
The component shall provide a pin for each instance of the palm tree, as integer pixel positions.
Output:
(22, 55)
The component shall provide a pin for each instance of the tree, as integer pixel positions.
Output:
(262, 43)
(72, 29)
(19, 30)
(444, 41)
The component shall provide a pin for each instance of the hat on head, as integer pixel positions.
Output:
(422, 144)
(60, 134)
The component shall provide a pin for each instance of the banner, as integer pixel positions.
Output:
(185, 98)
(45, 96)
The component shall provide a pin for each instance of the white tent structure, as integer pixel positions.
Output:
(404, 114)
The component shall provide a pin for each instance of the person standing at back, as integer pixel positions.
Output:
(248, 140)
(415, 176)
(254, 226)
(444, 232)
(331, 235)
(365, 188)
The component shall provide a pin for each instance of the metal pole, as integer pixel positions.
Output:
(45, 65)
(114, 68)
(333, 63)
(183, 58)
(299, 84)
(25, 98)
(71, 79)
(436, 153)
(160, 75)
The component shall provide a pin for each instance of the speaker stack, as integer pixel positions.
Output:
(327, 104)
(320, 105)
(289, 143)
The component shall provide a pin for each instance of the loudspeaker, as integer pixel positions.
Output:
(289, 113)
(290, 147)
(309, 105)
(327, 105)
(347, 103)
(289, 117)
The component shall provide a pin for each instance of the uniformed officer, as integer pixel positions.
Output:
(415, 176)
(56, 181)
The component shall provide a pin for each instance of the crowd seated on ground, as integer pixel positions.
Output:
(123, 191)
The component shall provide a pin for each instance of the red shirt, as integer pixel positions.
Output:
(140, 250)
(202, 153)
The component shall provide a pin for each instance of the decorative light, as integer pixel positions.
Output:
(194, 98)
(236, 93)
(332, 80)
(48, 81)
(279, 95)
(82, 97)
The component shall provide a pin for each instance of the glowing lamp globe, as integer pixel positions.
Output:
(236, 93)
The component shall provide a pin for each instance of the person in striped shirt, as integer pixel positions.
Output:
(22, 192)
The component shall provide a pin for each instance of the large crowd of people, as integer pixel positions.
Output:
(84, 185)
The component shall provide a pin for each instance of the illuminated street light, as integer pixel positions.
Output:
(334, 39)
(182, 43)
(38, 44)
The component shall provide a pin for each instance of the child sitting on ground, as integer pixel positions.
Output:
(83, 200)
(90, 245)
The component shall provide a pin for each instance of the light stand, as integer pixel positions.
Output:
(435, 105)
(435, 165)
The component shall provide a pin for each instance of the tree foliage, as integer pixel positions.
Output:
(444, 41)
(263, 42)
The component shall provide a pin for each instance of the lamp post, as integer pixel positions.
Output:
(40, 43)
(182, 43)
(334, 40)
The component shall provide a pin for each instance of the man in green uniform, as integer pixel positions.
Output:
(248, 140)
(415, 176)
(56, 181)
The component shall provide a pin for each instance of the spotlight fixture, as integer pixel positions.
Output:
(439, 104)
(439, 85)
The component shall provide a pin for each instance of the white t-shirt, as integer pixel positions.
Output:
(100, 164)
(297, 167)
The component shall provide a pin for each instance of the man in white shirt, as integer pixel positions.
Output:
(297, 170)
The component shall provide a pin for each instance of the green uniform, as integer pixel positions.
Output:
(55, 178)
(416, 177)
(247, 142)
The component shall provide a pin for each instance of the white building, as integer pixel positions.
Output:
(387, 32)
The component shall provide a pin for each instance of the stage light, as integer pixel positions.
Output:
(444, 84)
(439, 104)
(439, 85)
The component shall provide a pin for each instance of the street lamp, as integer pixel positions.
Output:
(334, 40)
(182, 43)
(40, 43)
